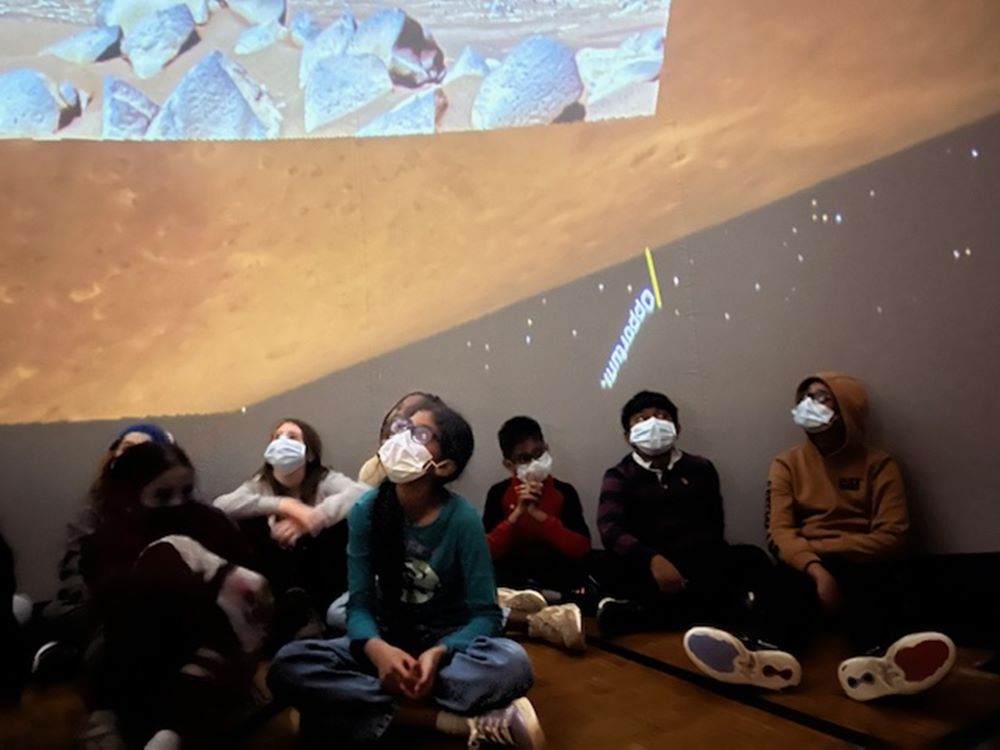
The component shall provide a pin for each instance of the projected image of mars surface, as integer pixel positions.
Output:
(266, 69)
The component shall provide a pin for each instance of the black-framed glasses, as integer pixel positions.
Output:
(422, 434)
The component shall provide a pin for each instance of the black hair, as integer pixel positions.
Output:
(121, 483)
(388, 522)
(515, 431)
(419, 397)
(648, 400)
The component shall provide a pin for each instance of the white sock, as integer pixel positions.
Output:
(449, 723)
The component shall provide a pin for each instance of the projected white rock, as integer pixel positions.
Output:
(304, 28)
(158, 39)
(259, 11)
(331, 42)
(410, 53)
(259, 37)
(129, 13)
(469, 63)
(532, 86)
(30, 104)
(127, 112)
(606, 71)
(90, 45)
(340, 85)
(418, 115)
(217, 100)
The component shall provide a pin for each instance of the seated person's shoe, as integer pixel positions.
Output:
(526, 600)
(617, 616)
(561, 625)
(515, 726)
(726, 658)
(912, 664)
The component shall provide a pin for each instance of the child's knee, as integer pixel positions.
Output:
(514, 662)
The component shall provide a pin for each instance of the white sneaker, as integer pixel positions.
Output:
(526, 600)
(165, 739)
(912, 664)
(725, 658)
(102, 732)
(515, 726)
(561, 625)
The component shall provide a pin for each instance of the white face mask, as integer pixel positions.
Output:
(404, 459)
(653, 436)
(537, 470)
(812, 416)
(285, 455)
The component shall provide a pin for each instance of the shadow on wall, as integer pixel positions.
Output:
(887, 272)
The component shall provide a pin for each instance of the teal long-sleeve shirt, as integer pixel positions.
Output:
(448, 582)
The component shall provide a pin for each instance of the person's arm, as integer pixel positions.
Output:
(612, 525)
(500, 532)
(337, 495)
(249, 500)
(480, 586)
(361, 623)
(569, 534)
(782, 527)
(889, 523)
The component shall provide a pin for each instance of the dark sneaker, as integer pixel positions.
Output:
(617, 616)
(912, 664)
(726, 658)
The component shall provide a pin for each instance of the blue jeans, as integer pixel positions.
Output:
(342, 698)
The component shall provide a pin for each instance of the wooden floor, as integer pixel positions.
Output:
(639, 692)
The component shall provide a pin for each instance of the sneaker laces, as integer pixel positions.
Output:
(491, 727)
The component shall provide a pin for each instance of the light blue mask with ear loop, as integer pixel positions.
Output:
(653, 436)
(285, 455)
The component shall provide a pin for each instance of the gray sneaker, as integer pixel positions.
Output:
(526, 600)
(561, 625)
(514, 726)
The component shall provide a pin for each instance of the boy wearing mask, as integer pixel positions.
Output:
(537, 535)
(661, 520)
(837, 521)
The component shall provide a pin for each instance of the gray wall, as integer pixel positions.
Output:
(880, 295)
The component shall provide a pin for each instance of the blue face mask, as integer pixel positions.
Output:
(285, 455)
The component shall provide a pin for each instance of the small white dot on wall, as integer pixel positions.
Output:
(486, 366)
(756, 287)
(544, 301)
(691, 261)
(527, 340)
(727, 316)
(801, 258)
(871, 193)
(677, 313)
(956, 254)
(530, 322)
(795, 230)
(826, 218)
(878, 309)
(600, 287)
(243, 409)
(815, 217)
(784, 243)
(794, 289)
(974, 152)
(629, 288)
(815, 202)
(968, 251)
(486, 347)
(468, 344)
(839, 218)
(677, 281)
(574, 332)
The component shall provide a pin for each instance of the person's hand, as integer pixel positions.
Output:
(286, 532)
(311, 520)
(529, 491)
(826, 587)
(668, 579)
(427, 668)
(397, 670)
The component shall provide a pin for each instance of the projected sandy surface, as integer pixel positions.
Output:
(263, 69)
(179, 278)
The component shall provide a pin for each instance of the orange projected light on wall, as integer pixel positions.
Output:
(266, 69)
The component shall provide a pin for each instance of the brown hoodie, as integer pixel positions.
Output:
(850, 504)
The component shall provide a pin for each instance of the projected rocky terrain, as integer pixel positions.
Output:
(261, 69)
